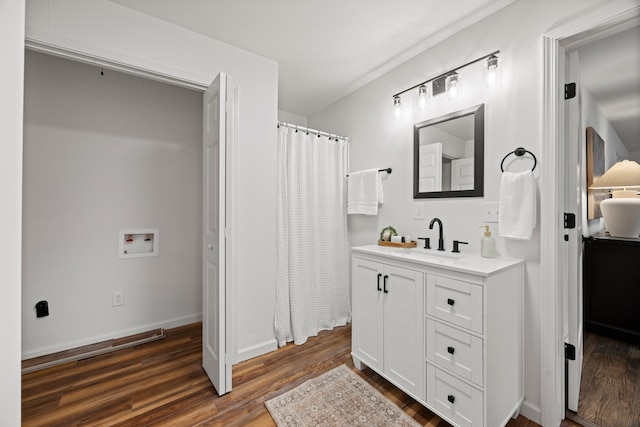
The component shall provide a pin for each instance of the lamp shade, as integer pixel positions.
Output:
(624, 174)
(622, 212)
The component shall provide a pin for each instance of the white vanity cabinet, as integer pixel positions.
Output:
(448, 331)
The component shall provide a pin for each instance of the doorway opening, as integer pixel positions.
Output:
(561, 302)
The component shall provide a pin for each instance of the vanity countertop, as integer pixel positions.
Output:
(465, 262)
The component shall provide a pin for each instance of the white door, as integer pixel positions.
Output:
(367, 339)
(430, 164)
(214, 336)
(462, 174)
(574, 180)
(403, 315)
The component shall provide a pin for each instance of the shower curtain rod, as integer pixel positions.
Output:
(313, 131)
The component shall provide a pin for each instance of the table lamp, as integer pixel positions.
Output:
(621, 212)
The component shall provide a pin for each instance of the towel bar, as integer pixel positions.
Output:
(387, 170)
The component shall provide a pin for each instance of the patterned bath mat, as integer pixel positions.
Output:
(336, 398)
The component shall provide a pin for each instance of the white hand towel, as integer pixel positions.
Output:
(364, 192)
(517, 214)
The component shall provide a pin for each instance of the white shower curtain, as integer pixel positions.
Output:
(312, 287)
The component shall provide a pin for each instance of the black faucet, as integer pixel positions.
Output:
(440, 239)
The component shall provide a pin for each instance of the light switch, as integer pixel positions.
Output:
(418, 211)
(490, 212)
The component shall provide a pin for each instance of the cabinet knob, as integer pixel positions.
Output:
(379, 276)
(451, 398)
(450, 301)
(451, 350)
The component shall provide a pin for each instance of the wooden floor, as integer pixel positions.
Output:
(610, 387)
(162, 383)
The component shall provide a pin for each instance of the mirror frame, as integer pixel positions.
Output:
(478, 154)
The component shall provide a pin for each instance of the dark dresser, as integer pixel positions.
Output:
(611, 267)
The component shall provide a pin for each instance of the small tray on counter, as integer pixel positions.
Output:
(411, 244)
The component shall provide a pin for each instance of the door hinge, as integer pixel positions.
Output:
(569, 90)
(569, 220)
(569, 351)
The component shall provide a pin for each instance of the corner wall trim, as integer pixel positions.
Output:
(531, 411)
(257, 350)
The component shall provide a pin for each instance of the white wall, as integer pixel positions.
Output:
(11, 86)
(512, 119)
(104, 153)
(614, 150)
(107, 30)
(294, 119)
(592, 116)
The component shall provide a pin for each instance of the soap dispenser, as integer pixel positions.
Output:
(487, 244)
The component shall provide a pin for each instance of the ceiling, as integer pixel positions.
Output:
(610, 71)
(327, 49)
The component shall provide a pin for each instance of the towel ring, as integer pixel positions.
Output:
(519, 152)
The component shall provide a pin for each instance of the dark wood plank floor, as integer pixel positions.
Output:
(162, 383)
(610, 387)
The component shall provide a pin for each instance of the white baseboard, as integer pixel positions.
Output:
(531, 411)
(257, 350)
(166, 324)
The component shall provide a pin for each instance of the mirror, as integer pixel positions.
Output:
(448, 155)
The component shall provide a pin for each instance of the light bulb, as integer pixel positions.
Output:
(492, 73)
(423, 95)
(451, 83)
(397, 106)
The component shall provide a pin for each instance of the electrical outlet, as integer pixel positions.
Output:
(490, 212)
(418, 211)
(117, 298)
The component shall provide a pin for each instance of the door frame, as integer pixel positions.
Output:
(156, 72)
(552, 183)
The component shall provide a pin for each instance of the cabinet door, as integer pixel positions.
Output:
(367, 340)
(404, 328)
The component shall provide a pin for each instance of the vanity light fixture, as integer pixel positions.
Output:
(451, 80)
(397, 106)
(621, 212)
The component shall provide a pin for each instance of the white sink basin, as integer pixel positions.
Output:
(428, 253)
(437, 253)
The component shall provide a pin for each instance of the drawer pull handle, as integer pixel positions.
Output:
(379, 276)
(384, 286)
(450, 301)
(451, 350)
(451, 398)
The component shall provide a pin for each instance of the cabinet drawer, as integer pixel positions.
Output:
(455, 301)
(459, 402)
(455, 350)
